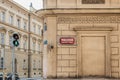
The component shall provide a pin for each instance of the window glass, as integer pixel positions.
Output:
(3, 16)
(11, 20)
(2, 38)
(18, 23)
(25, 25)
(34, 45)
(39, 30)
(10, 40)
(1, 62)
(25, 44)
(34, 28)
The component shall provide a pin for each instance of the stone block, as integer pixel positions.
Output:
(63, 63)
(73, 74)
(114, 38)
(70, 57)
(69, 69)
(115, 74)
(115, 63)
(115, 69)
(73, 63)
(64, 4)
(59, 50)
(59, 69)
(65, 51)
(62, 74)
(59, 33)
(72, 33)
(114, 57)
(63, 27)
(73, 51)
(114, 45)
(59, 57)
(115, 50)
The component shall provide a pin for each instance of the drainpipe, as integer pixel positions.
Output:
(29, 50)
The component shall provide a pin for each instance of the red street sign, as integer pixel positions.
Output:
(67, 40)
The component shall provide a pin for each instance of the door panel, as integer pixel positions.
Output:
(93, 56)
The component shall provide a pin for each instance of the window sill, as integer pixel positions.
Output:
(34, 69)
(39, 68)
(24, 68)
(2, 68)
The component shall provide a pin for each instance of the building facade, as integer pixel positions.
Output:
(28, 56)
(82, 38)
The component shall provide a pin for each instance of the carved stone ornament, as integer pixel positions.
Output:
(3, 29)
(25, 36)
(93, 1)
(88, 19)
(34, 39)
(20, 34)
(39, 41)
(10, 32)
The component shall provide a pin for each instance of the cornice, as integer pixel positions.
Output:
(13, 27)
(18, 5)
(35, 35)
(55, 11)
(93, 29)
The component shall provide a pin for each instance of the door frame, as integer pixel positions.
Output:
(105, 34)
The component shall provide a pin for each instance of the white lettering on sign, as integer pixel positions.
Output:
(67, 40)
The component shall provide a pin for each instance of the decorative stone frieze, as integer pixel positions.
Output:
(93, 1)
(88, 19)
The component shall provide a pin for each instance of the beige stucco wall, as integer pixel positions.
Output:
(72, 18)
(66, 59)
(78, 4)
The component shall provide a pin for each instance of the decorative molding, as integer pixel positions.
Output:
(93, 1)
(39, 68)
(115, 50)
(25, 37)
(10, 32)
(93, 29)
(25, 68)
(20, 34)
(39, 41)
(114, 38)
(3, 29)
(88, 19)
(34, 39)
(34, 68)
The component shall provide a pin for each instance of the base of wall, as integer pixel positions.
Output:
(77, 78)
